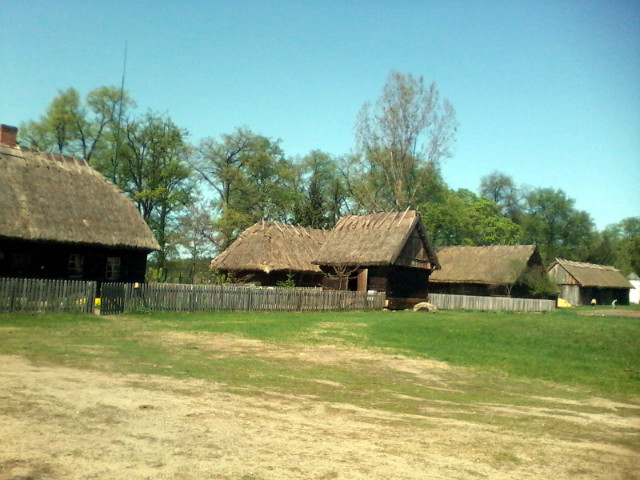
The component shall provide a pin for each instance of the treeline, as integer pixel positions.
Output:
(197, 197)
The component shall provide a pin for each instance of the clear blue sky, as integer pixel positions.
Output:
(547, 92)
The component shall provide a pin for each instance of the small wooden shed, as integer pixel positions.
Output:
(497, 270)
(62, 219)
(272, 252)
(581, 282)
(386, 252)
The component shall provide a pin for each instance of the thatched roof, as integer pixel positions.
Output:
(492, 265)
(592, 275)
(272, 246)
(374, 240)
(53, 198)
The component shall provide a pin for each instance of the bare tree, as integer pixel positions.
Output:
(341, 275)
(503, 191)
(401, 141)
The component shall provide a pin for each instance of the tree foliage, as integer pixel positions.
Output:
(154, 171)
(619, 245)
(251, 179)
(462, 218)
(197, 235)
(502, 190)
(400, 142)
(84, 129)
(146, 156)
(547, 217)
(323, 195)
(551, 221)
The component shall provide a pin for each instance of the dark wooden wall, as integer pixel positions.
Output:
(51, 260)
(302, 279)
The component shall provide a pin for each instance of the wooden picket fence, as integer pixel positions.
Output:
(153, 297)
(40, 295)
(469, 302)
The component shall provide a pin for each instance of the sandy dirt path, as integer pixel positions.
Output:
(61, 423)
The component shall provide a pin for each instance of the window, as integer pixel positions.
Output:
(113, 268)
(76, 265)
(19, 263)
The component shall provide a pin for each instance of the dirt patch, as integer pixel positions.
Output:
(610, 312)
(61, 423)
(227, 344)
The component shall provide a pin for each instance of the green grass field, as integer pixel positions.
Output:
(597, 354)
(549, 395)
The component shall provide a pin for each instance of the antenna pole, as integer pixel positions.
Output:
(115, 159)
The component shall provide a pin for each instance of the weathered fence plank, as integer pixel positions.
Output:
(43, 295)
(192, 298)
(469, 302)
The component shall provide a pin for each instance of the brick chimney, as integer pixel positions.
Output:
(9, 135)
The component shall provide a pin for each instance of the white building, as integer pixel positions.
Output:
(634, 293)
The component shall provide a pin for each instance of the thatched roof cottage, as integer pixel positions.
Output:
(487, 271)
(62, 219)
(271, 252)
(581, 282)
(387, 252)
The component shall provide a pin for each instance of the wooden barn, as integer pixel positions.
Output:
(62, 219)
(386, 252)
(270, 252)
(581, 282)
(497, 270)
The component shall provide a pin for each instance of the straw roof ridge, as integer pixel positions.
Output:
(372, 240)
(574, 263)
(593, 275)
(487, 265)
(272, 246)
(56, 198)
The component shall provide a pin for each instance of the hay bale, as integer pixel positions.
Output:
(429, 307)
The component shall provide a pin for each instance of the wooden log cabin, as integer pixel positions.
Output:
(386, 252)
(62, 219)
(495, 270)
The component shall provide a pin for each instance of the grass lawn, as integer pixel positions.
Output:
(598, 354)
(459, 394)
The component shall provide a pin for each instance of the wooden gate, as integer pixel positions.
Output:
(112, 298)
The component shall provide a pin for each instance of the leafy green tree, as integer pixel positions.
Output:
(55, 131)
(619, 245)
(154, 171)
(462, 218)
(250, 178)
(551, 221)
(145, 156)
(603, 249)
(628, 251)
(82, 129)
(267, 192)
(488, 227)
(400, 142)
(502, 190)
(197, 235)
(323, 193)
